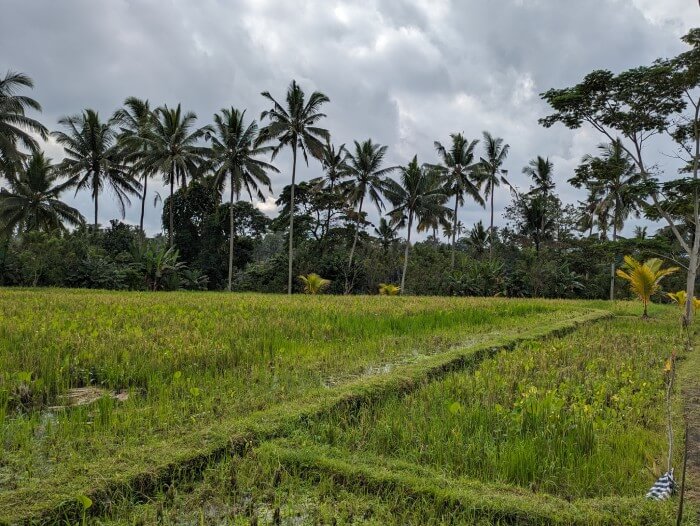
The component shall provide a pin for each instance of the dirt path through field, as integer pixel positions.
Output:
(690, 391)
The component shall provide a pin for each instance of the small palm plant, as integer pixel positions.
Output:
(389, 289)
(681, 297)
(644, 278)
(314, 284)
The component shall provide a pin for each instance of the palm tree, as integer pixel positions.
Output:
(136, 123)
(478, 238)
(234, 156)
(15, 126)
(171, 148)
(92, 154)
(644, 278)
(386, 233)
(334, 164)
(616, 189)
(33, 202)
(367, 180)
(491, 172)
(419, 193)
(541, 171)
(314, 284)
(458, 165)
(295, 126)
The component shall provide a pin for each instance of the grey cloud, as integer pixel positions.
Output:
(404, 72)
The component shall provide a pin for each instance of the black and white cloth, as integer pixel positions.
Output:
(663, 488)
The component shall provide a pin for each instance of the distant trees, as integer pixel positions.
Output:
(33, 202)
(420, 192)
(135, 121)
(15, 126)
(295, 126)
(368, 180)
(492, 173)
(234, 155)
(462, 178)
(172, 147)
(223, 242)
(93, 156)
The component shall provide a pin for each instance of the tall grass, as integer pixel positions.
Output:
(578, 416)
(190, 360)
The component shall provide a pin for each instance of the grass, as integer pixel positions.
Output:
(578, 416)
(405, 457)
(206, 372)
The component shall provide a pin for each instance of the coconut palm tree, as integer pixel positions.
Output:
(234, 156)
(295, 125)
(92, 154)
(386, 232)
(644, 278)
(491, 172)
(335, 167)
(419, 193)
(616, 189)
(135, 121)
(541, 171)
(367, 180)
(15, 126)
(172, 149)
(33, 202)
(313, 283)
(457, 164)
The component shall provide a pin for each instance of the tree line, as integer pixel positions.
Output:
(324, 222)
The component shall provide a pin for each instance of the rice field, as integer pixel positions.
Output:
(214, 408)
(579, 416)
(175, 374)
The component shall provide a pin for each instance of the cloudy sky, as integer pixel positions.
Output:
(403, 72)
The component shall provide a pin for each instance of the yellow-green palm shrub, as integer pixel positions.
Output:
(314, 284)
(389, 289)
(644, 278)
(680, 299)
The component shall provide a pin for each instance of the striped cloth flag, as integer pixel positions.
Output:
(663, 488)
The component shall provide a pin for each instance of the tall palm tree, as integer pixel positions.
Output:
(294, 126)
(172, 148)
(616, 188)
(234, 156)
(364, 169)
(386, 232)
(33, 202)
(15, 126)
(135, 121)
(541, 171)
(492, 173)
(419, 193)
(92, 153)
(462, 179)
(334, 162)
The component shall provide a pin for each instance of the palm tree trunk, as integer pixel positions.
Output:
(405, 254)
(454, 233)
(170, 209)
(328, 213)
(291, 218)
(491, 227)
(143, 203)
(612, 265)
(357, 232)
(96, 225)
(230, 238)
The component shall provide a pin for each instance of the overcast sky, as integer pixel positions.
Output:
(403, 72)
